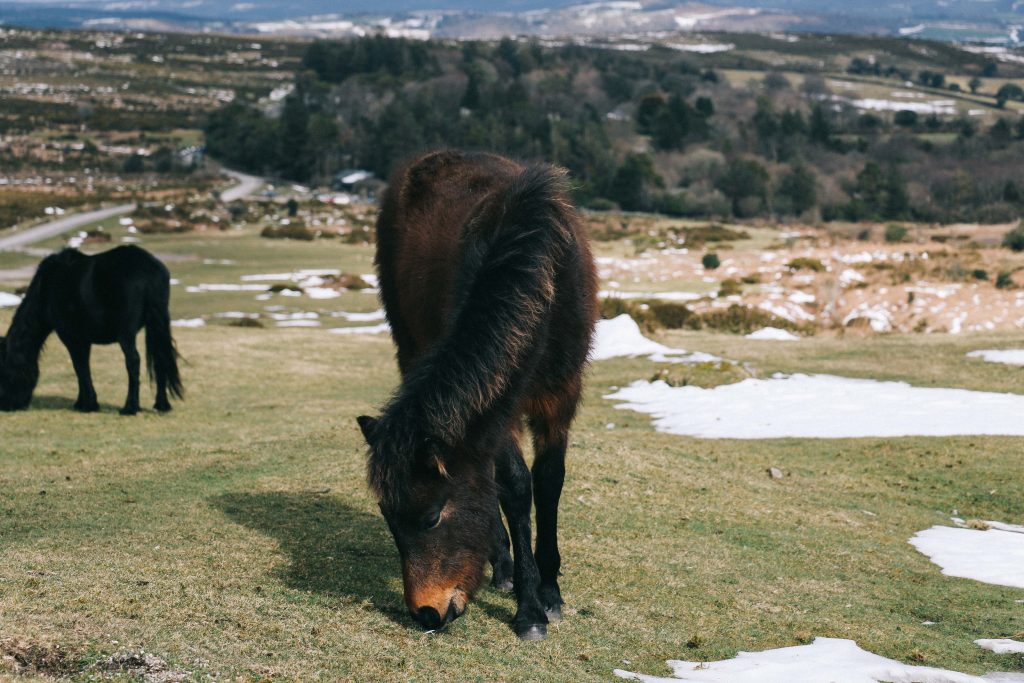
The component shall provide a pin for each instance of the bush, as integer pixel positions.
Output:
(1014, 239)
(979, 274)
(806, 263)
(673, 316)
(1004, 280)
(895, 233)
(730, 287)
(710, 260)
(291, 231)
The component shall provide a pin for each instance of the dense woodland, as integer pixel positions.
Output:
(657, 130)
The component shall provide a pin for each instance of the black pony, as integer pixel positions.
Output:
(89, 300)
(490, 291)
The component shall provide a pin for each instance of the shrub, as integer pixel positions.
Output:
(710, 260)
(979, 274)
(291, 231)
(895, 233)
(806, 263)
(673, 316)
(1014, 239)
(695, 237)
(1004, 280)
(730, 287)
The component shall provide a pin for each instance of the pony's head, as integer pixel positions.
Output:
(17, 380)
(442, 513)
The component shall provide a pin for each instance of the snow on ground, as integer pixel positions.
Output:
(300, 322)
(372, 316)
(835, 660)
(773, 334)
(656, 296)
(994, 555)
(195, 289)
(1001, 646)
(362, 329)
(621, 336)
(1007, 356)
(8, 299)
(188, 322)
(821, 406)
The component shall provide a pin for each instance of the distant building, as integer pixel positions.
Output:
(351, 180)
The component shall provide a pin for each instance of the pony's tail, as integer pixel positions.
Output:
(161, 352)
(505, 288)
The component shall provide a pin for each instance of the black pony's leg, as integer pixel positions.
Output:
(515, 493)
(548, 477)
(131, 363)
(86, 402)
(162, 404)
(501, 557)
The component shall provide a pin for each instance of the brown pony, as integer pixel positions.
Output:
(490, 291)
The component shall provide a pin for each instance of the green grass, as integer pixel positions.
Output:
(235, 536)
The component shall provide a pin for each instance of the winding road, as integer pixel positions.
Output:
(247, 184)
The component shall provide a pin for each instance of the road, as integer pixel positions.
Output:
(247, 184)
(45, 231)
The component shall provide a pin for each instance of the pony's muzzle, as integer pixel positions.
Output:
(430, 619)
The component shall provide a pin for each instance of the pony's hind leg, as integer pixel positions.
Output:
(131, 363)
(162, 404)
(86, 401)
(515, 493)
(549, 424)
(501, 557)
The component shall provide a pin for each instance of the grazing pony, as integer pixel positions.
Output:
(89, 300)
(489, 287)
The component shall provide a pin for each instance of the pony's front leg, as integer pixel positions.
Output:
(516, 495)
(86, 402)
(131, 363)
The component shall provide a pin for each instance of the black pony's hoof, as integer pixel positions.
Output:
(533, 632)
(165, 408)
(553, 613)
(128, 411)
(504, 584)
(87, 407)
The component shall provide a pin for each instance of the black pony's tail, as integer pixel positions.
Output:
(161, 352)
(505, 289)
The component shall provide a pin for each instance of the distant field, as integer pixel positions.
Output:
(235, 537)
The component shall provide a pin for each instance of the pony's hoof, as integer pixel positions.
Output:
(505, 585)
(87, 407)
(533, 632)
(553, 613)
(166, 408)
(128, 411)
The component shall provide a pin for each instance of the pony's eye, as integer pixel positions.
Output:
(433, 518)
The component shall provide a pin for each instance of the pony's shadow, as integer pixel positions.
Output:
(334, 548)
(64, 403)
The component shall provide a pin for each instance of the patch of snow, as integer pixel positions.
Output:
(1001, 646)
(322, 293)
(660, 296)
(876, 316)
(1006, 356)
(298, 323)
(849, 277)
(621, 336)
(188, 322)
(194, 289)
(773, 334)
(822, 406)
(832, 660)
(360, 317)
(362, 329)
(7, 299)
(994, 555)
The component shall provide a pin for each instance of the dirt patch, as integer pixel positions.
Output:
(139, 663)
(23, 657)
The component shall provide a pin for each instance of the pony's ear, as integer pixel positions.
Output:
(368, 425)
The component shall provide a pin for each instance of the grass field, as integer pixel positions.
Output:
(235, 537)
